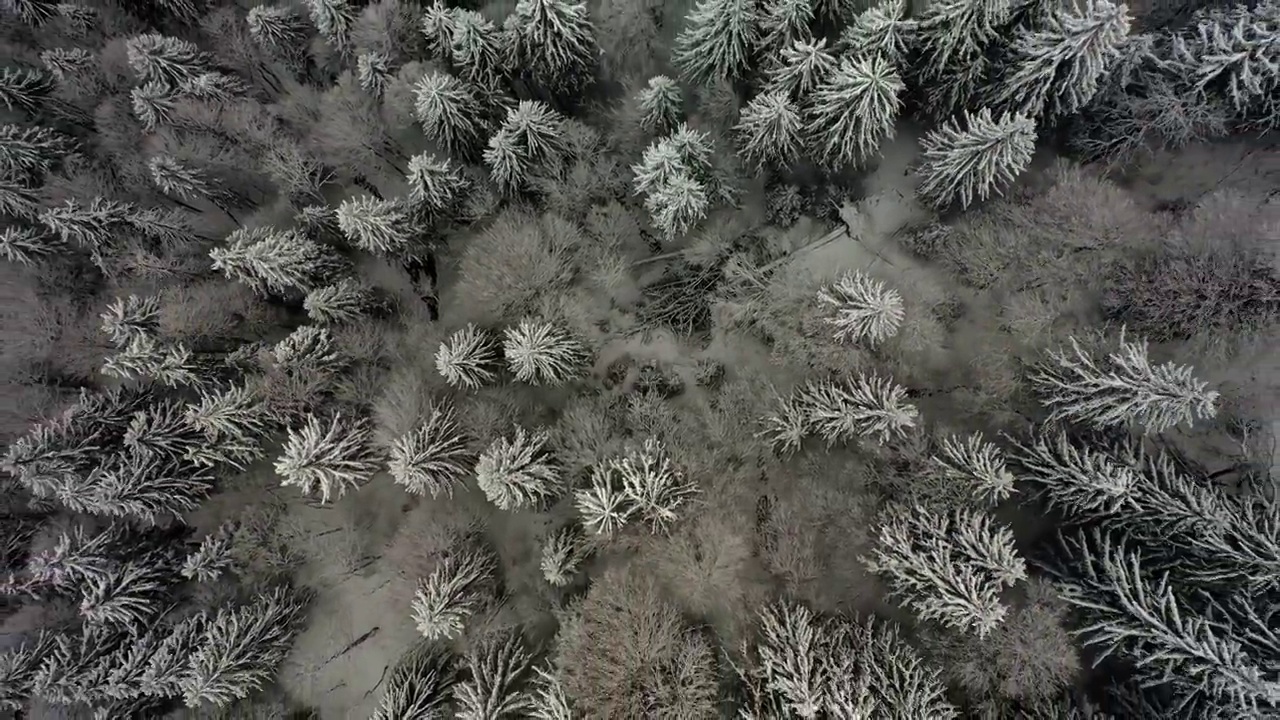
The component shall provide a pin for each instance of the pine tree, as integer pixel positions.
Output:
(769, 130)
(18, 199)
(127, 595)
(145, 357)
(550, 701)
(277, 29)
(562, 555)
(309, 349)
(1230, 53)
(1056, 68)
(498, 668)
(456, 589)
(18, 669)
(554, 42)
(420, 686)
(604, 505)
(93, 226)
(67, 63)
(333, 19)
(953, 33)
(437, 26)
(213, 556)
(863, 308)
(434, 457)
(862, 406)
(947, 568)
(240, 648)
(660, 105)
(792, 652)
(1084, 482)
(542, 353)
(130, 317)
(717, 41)
(803, 66)
(275, 261)
(381, 227)
(978, 465)
(532, 136)
(653, 484)
(854, 110)
(154, 104)
(373, 72)
(24, 90)
(435, 185)
(1123, 388)
(968, 160)
(519, 472)
(234, 421)
(787, 426)
(783, 23)
(450, 113)
(329, 460)
(347, 300)
(31, 151)
(477, 48)
(165, 60)
(468, 358)
(678, 205)
(883, 28)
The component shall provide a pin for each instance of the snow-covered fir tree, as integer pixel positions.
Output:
(458, 587)
(553, 41)
(955, 33)
(852, 112)
(66, 63)
(717, 40)
(549, 699)
(478, 49)
(278, 29)
(469, 358)
(373, 71)
(801, 67)
(31, 151)
(950, 569)
(519, 472)
(145, 357)
(377, 226)
(782, 24)
(127, 595)
(434, 457)
(309, 349)
(841, 412)
(1122, 388)
(883, 28)
(275, 261)
(24, 89)
(542, 353)
(213, 556)
(604, 505)
(862, 308)
(450, 113)
(562, 555)
(498, 667)
(531, 138)
(435, 185)
(655, 487)
(333, 19)
(976, 464)
(129, 317)
(660, 105)
(678, 204)
(787, 426)
(328, 459)
(420, 686)
(969, 159)
(27, 245)
(234, 421)
(174, 178)
(345, 301)
(770, 130)
(163, 59)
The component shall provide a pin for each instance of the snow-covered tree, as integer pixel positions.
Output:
(954, 33)
(717, 40)
(213, 556)
(863, 406)
(947, 568)
(93, 226)
(802, 66)
(531, 137)
(554, 42)
(130, 317)
(25, 89)
(308, 349)
(145, 357)
(31, 150)
(278, 29)
(154, 104)
(883, 28)
(450, 113)
(787, 426)
(345, 301)
(1056, 68)
(67, 63)
(27, 245)
(234, 421)
(329, 460)
(1084, 482)
(434, 457)
(678, 204)
(654, 486)
(660, 105)
(498, 668)
(519, 472)
(550, 701)
(854, 110)
(770, 130)
(163, 59)
(18, 670)
(542, 353)
(456, 589)
(382, 227)
(127, 595)
(792, 654)
(477, 48)
(562, 555)
(603, 504)
(373, 72)
(862, 308)
(19, 200)
(435, 185)
(172, 177)
(275, 261)
(420, 686)
(469, 358)
(968, 160)
(783, 23)
(976, 464)
(333, 19)
(239, 649)
(1230, 52)
(1122, 388)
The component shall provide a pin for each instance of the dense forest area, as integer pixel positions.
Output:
(671, 359)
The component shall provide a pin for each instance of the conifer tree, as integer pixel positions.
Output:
(654, 486)
(554, 42)
(803, 66)
(519, 472)
(678, 204)
(420, 686)
(717, 41)
(165, 60)
(477, 48)
(660, 105)
(212, 557)
(532, 136)
(883, 28)
(171, 364)
(64, 64)
(787, 426)
(955, 33)
(18, 199)
(93, 226)
(329, 460)
(498, 668)
(1122, 388)
(240, 648)
(450, 113)
(435, 185)
(275, 261)
(468, 358)
(437, 29)
(783, 24)
(333, 19)
(24, 89)
(967, 161)
(769, 130)
(130, 317)
(1056, 68)
(381, 227)
(456, 589)
(1084, 482)
(862, 406)
(541, 353)
(434, 457)
(31, 151)
(309, 349)
(277, 29)
(27, 245)
(550, 701)
(947, 568)
(792, 655)
(373, 71)
(1230, 53)
(854, 110)
(345, 301)
(977, 464)
(562, 555)
(603, 504)
(862, 308)
(128, 595)
(154, 105)
(234, 421)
